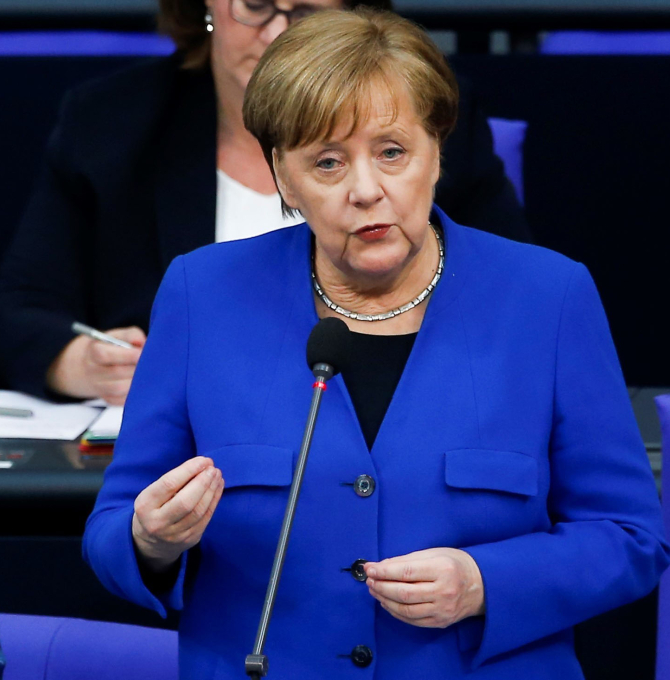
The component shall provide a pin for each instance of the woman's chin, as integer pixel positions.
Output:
(381, 266)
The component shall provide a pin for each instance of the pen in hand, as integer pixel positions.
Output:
(15, 412)
(83, 329)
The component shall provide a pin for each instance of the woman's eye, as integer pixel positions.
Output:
(326, 164)
(256, 6)
(392, 153)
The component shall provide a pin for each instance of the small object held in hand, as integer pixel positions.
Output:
(83, 329)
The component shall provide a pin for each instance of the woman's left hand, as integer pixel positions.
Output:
(429, 588)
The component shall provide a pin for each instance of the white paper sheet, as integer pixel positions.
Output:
(49, 421)
(108, 424)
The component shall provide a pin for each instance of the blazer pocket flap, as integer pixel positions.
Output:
(508, 471)
(254, 465)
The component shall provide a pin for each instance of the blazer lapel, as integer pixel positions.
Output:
(291, 378)
(185, 190)
(435, 396)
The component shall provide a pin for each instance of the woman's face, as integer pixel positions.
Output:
(237, 48)
(367, 197)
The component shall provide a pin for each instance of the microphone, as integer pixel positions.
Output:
(328, 348)
(328, 352)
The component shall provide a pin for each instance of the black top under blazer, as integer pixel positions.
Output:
(129, 182)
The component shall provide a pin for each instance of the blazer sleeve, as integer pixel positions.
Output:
(155, 437)
(42, 277)
(606, 546)
(474, 189)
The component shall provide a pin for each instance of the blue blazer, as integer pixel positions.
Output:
(510, 435)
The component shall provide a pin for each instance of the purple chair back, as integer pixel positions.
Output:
(663, 640)
(508, 139)
(51, 648)
(83, 43)
(606, 42)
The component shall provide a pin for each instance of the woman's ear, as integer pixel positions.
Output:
(437, 165)
(282, 183)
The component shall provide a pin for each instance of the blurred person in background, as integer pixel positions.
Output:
(153, 162)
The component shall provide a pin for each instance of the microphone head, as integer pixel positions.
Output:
(329, 343)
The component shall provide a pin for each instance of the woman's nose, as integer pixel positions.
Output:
(366, 188)
(274, 29)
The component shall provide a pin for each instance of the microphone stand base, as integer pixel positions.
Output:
(256, 666)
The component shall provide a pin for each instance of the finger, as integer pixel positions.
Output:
(114, 393)
(114, 373)
(187, 498)
(132, 334)
(417, 555)
(167, 486)
(398, 569)
(115, 400)
(409, 613)
(427, 622)
(194, 534)
(217, 496)
(104, 354)
(203, 507)
(403, 593)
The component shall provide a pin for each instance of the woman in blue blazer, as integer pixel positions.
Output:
(476, 484)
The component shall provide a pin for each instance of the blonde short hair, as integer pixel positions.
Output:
(324, 70)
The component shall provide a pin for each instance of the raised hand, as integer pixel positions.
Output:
(172, 513)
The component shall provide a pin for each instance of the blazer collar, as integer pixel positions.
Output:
(185, 190)
(448, 289)
(434, 350)
(455, 270)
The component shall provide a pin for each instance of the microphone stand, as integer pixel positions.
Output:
(256, 663)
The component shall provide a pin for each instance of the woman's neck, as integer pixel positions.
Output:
(377, 296)
(238, 153)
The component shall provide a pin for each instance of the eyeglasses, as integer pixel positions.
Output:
(262, 12)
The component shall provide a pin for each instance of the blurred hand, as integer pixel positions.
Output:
(88, 368)
(429, 588)
(172, 513)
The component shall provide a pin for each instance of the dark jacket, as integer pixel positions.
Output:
(129, 183)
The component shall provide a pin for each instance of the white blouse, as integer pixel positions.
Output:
(242, 212)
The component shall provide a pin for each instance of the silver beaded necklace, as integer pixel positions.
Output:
(393, 312)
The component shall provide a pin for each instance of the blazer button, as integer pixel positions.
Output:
(357, 570)
(361, 655)
(364, 486)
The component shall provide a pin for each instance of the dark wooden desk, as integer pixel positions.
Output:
(45, 498)
(50, 488)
